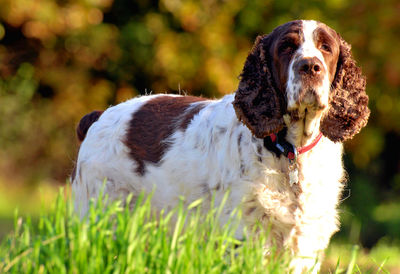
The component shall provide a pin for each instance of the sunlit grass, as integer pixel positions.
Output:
(118, 240)
(384, 258)
(115, 239)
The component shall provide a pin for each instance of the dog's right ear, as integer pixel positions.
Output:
(258, 104)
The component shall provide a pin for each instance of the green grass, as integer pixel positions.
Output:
(382, 258)
(114, 239)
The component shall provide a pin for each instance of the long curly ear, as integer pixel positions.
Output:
(348, 103)
(258, 104)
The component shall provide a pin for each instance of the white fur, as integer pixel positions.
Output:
(210, 155)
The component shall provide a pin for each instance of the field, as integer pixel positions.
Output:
(63, 59)
(117, 240)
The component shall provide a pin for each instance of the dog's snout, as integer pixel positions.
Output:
(310, 66)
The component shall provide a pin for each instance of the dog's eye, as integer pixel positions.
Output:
(287, 47)
(326, 48)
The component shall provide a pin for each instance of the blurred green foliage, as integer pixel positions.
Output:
(60, 59)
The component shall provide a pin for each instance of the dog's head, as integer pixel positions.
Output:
(299, 66)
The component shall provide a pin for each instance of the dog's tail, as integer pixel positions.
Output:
(85, 123)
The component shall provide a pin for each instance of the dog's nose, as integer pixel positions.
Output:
(310, 66)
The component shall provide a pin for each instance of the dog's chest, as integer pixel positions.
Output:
(284, 208)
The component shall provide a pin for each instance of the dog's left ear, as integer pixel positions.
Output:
(348, 103)
(258, 104)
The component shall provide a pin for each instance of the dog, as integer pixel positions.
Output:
(275, 144)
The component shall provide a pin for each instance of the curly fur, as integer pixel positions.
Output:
(258, 103)
(348, 112)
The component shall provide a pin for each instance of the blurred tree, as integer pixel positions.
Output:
(60, 59)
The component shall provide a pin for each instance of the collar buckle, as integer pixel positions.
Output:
(292, 156)
(281, 146)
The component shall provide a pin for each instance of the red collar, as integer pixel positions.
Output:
(304, 149)
(289, 150)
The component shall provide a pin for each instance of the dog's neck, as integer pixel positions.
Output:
(302, 126)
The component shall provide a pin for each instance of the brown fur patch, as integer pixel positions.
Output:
(154, 122)
(85, 123)
(188, 116)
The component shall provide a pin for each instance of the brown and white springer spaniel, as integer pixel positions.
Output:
(276, 143)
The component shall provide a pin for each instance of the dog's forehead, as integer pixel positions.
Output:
(317, 30)
(305, 29)
(287, 28)
(308, 46)
(308, 29)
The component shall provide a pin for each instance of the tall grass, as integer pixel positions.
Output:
(116, 239)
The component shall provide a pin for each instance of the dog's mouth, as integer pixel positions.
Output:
(310, 99)
(308, 110)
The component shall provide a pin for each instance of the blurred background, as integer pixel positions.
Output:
(60, 59)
